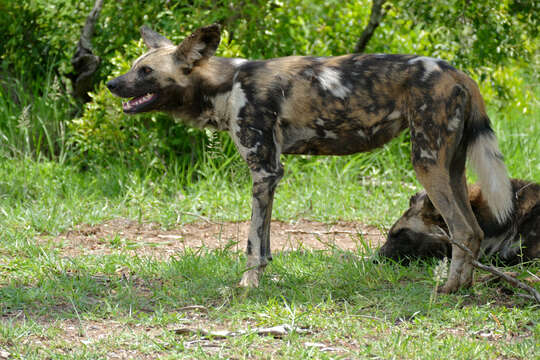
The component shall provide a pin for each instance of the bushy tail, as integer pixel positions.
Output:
(487, 161)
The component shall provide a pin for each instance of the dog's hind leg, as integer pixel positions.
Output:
(458, 183)
(440, 188)
(439, 155)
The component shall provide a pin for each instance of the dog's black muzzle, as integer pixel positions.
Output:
(113, 84)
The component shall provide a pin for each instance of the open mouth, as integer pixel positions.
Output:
(138, 103)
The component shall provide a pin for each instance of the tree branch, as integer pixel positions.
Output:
(84, 62)
(497, 272)
(377, 13)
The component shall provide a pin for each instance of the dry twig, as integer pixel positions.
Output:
(512, 280)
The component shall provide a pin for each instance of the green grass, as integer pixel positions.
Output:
(93, 307)
(89, 306)
(33, 118)
(364, 308)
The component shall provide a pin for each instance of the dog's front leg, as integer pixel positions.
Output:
(258, 245)
(256, 134)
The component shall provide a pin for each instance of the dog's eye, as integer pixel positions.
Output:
(145, 70)
(401, 234)
(186, 71)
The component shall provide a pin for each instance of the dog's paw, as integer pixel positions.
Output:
(451, 286)
(251, 278)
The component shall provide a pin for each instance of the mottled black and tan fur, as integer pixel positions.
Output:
(328, 106)
(422, 233)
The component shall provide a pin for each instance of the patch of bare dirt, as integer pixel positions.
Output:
(149, 239)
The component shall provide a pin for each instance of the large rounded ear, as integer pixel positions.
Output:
(416, 197)
(421, 202)
(428, 209)
(200, 45)
(152, 39)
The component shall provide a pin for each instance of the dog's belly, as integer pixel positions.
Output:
(327, 147)
(340, 141)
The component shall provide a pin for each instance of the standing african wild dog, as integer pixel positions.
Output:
(328, 106)
(422, 233)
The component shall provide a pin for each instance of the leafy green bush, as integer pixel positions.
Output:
(38, 37)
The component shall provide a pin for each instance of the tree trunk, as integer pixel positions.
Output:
(84, 62)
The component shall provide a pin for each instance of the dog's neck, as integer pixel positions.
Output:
(211, 98)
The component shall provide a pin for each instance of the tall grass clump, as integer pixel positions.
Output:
(33, 117)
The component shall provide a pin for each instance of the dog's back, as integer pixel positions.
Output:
(422, 233)
(333, 105)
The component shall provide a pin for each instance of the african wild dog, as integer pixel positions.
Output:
(328, 106)
(422, 233)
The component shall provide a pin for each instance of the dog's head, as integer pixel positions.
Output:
(165, 78)
(419, 233)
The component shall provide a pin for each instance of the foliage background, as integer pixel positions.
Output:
(492, 40)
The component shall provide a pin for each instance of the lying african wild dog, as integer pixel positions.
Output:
(422, 233)
(328, 106)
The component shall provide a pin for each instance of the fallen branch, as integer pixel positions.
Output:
(275, 331)
(167, 236)
(322, 347)
(497, 272)
(532, 279)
